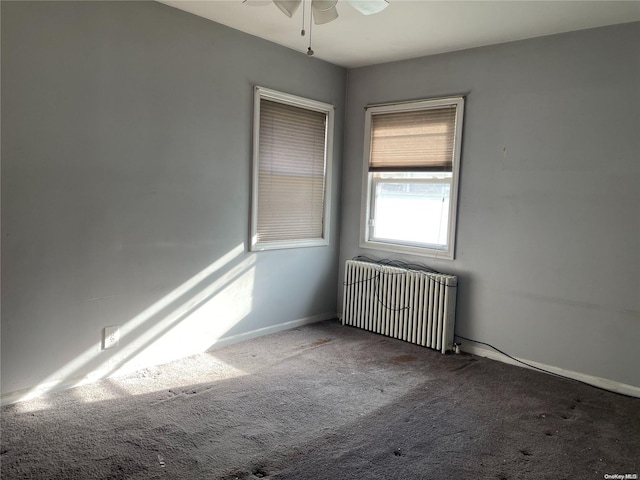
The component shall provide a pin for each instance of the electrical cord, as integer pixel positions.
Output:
(507, 355)
(396, 264)
(538, 368)
(376, 279)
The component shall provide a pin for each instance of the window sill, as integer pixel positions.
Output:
(284, 244)
(409, 250)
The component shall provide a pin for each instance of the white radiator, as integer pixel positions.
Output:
(411, 305)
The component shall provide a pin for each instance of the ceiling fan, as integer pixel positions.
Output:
(322, 11)
(325, 11)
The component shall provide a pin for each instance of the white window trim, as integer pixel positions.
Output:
(293, 100)
(367, 183)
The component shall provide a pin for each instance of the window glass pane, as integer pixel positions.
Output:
(412, 212)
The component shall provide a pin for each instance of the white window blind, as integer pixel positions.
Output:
(291, 174)
(417, 140)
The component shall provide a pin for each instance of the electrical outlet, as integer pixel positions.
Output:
(111, 337)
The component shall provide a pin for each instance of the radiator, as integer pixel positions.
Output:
(411, 305)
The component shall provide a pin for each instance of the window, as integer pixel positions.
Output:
(412, 160)
(292, 144)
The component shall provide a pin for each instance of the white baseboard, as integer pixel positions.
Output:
(66, 383)
(600, 382)
(36, 391)
(241, 337)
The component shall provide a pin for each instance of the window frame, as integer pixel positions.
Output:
(369, 182)
(261, 93)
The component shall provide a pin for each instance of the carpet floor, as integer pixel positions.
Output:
(324, 402)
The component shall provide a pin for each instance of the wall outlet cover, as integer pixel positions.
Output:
(111, 337)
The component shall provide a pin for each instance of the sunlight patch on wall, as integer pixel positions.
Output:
(191, 328)
(187, 321)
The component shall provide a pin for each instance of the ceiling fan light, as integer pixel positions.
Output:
(288, 7)
(369, 7)
(324, 11)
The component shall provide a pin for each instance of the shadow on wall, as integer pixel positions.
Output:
(188, 320)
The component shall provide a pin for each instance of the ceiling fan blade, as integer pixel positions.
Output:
(324, 11)
(256, 3)
(369, 7)
(288, 7)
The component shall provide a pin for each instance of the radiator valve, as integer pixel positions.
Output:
(456, 347)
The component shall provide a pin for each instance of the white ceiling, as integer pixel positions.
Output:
(413, 28)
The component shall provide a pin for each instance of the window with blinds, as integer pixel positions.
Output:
(291, 163)
(412, 157)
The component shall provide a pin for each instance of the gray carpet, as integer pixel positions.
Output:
(325, 402)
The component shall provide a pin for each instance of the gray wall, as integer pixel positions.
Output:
(126, 143)
(548, 241)
(126, 160)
